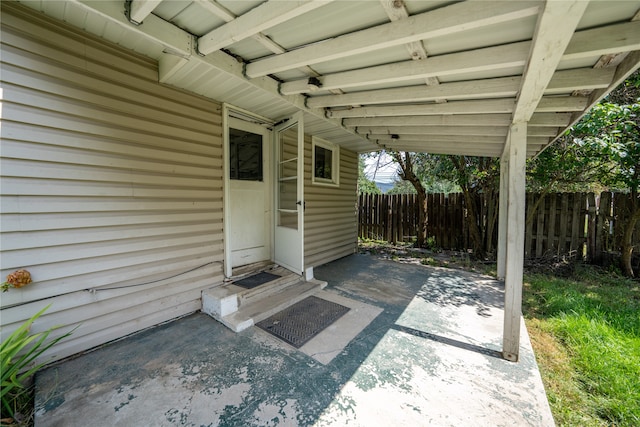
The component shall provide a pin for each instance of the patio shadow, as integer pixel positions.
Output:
(418, 362)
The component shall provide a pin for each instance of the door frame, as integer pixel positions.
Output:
(231, 112)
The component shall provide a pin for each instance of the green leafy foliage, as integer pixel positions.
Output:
(601, 151)
(614, 131)
(17, 355)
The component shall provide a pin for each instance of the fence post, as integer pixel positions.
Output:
(528, 232)
(564, 217)
(551, 227)
(592, 237)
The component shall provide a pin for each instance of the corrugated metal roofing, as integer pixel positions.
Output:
(349, 46)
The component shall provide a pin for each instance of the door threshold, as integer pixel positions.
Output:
(249, 269)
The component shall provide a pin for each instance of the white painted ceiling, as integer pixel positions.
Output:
(438, 76)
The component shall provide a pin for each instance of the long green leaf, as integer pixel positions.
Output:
(18, 352)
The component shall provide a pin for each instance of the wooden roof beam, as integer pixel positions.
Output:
(490, 88)
(452, 130)
(140, 9)
(217, 9)
(440, 22)
(450, 149)
(630, 64)
(491, 58)
(396, 11)
(562, 82)
(258, 19)
(439, 139)
(556, 25)
(617, 38)
(451, 139)
(547, 104)
(549, 119)
(433, 130)
(622, 37)
(226, 15)
(490, 120)
(436, 120)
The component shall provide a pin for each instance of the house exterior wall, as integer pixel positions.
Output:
(330, 217)
(111, 186)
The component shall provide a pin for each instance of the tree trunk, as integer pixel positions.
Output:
(627, 245)
(408, 174)
(472, 218)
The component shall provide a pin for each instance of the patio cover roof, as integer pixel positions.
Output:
(437, 76)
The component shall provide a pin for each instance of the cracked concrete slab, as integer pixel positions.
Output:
(429, 355)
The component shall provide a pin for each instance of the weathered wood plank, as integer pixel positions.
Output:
(528, 240)
(551, 228)
(540, 222)
(577, 231)
(591, 227)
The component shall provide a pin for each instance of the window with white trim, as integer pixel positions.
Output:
(326, 162)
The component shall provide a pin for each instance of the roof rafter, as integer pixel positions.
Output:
(396, 11)
(140, 9)
(217, 9)
(630, 64)
(556, 24)
(622, 37)
(490, 120)
(547, 104)
(440, 22)
(450, 139)
(562, 82)
(438, 120)
(491, 58)
(604, 40)
(260, 18)
(451, 130)
(433, 130)
(181, 42)
(227, 16)
(479, 150)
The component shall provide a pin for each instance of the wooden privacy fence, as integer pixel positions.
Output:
(589, 224)
(394, 218)
(583, 223)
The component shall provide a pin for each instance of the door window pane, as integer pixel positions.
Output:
(245, 155)
(288, 178)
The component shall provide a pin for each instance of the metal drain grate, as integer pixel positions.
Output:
(256, 280)
(304, 320)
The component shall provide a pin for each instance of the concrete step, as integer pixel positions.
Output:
(262, 308)
(273, 287)
(239, 308)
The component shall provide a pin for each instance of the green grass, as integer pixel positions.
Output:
(586, 334)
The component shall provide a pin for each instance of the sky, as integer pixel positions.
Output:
(381, 168)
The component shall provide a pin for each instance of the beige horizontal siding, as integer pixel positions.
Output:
(330, 221)
(111, 186)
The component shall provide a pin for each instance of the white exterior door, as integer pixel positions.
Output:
(249, 193)
(289, 194)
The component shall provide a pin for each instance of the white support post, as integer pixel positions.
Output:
(516, 152)
(502, 214)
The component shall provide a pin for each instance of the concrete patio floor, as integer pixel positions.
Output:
(427, 353)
